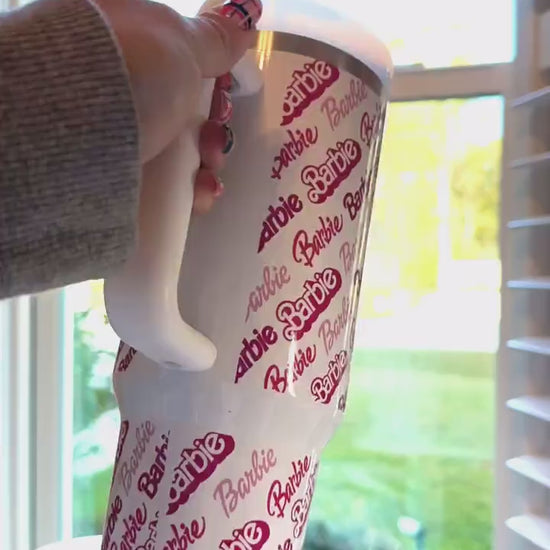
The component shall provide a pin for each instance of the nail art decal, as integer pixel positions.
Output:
(246, 12)
(226, 107)
(225, 82)
(230, 140)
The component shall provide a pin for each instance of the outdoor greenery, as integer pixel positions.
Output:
(431, 174)
(90, 492)
(417, 441)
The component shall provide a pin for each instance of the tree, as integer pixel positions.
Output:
(475, 198)
(90, 402)
(421, 147)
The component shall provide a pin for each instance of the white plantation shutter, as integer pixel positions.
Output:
(523, 394)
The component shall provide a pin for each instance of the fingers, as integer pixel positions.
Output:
(225, 43)
(215, 142)
(222, 107)
(217, 43)
(246, 13)
(219, 39)
(207, 189)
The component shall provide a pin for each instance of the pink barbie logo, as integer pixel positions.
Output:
(324, 387)
(128, 468)
(281, 494)
(354, 201)
(330, 330)
(149, 543)
(299, 315)
(370, 125)
(184, 536)
(124, 427)
(149, 481)
(307, 247)
(308, 84)
(126, 360)
(274, 279)
(111, 522)
(336, 110)
(133, 525)
(347, 255)
(275, 380)
(197, 465)
(121, 345)
(287, 545)
(279, 382)
(293, 149)
(253, 350)
(300, 509)
(252, 536)
(229, 494)
(324, 180)
(278, 218)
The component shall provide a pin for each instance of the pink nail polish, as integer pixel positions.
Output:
(225, 82)
(226, 111)
(246, 12)
(229, 140)
(222, 107)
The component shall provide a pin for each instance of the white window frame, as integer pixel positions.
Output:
(53, 327)
(16, 427)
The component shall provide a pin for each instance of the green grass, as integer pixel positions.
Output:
(417, 440)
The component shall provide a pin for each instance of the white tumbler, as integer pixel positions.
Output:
(238, 325)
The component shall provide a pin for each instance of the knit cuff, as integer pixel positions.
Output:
(69, 151)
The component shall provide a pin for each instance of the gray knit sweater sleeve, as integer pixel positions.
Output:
(69, 172)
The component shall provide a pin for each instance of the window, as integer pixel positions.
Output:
(95, 414)
(431, 33)
(413, 458)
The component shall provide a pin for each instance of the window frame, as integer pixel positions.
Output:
(53, 414)
(16, 432)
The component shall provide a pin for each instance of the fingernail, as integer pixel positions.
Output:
(219, 187)
(229, 140)
(225, 82)
(222, 107)
(246, 12)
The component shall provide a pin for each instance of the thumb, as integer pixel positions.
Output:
(217, 43)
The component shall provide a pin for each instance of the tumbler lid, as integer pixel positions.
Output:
(314, 19)
(332, 26)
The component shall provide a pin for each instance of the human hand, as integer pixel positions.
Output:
(167, 57)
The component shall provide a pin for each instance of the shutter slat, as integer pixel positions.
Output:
(529, 222)
(530, 283)
(533, 161)
(536, 406)
(535, 468)
(523, 373)
(535, 529)
(540, 346)
(533, 99)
